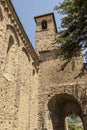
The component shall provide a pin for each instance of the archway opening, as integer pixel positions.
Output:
(62, 106)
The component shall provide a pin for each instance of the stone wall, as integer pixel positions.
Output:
(18, 74)
(33, 91)
(62, 86)
(55, 79)
(45, 37)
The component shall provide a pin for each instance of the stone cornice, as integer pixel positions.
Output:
(19, 28)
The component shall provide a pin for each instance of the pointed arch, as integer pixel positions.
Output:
(14, 32)
(10, 63)
(11, 57)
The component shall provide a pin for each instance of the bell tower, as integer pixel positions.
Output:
(46, 31)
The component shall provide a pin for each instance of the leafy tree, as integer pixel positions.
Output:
(74, 127)
(73, 35)
(74, 122)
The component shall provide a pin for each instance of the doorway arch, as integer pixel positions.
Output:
(60, 106)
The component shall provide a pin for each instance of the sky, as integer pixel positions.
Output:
(28, 9)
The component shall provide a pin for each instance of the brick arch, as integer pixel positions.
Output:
(1, 15)
(62, 105)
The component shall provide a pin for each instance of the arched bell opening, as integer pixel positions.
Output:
(60, 107)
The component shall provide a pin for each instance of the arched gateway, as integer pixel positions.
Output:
(62, 105)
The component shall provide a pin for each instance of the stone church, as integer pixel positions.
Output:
(35, 92)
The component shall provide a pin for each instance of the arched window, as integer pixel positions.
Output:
(11, 42)
(1, 16)
(44, 24)
(9, 70)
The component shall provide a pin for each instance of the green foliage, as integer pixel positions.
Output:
(74, 27)
(74, 127)
(74, 122)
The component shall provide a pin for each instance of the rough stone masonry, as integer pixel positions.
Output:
(35, 92)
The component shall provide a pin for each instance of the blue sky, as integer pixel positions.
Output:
(27, 9)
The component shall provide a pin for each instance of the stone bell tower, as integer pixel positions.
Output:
(46, 31)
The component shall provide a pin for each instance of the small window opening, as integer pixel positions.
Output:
(44, 25)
